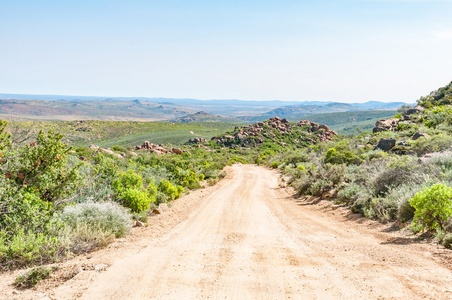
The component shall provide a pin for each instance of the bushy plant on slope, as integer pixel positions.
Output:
(433, 207)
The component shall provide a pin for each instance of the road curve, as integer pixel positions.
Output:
(249, 240)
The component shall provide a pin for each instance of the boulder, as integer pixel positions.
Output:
(324, 127)
(176, 151)
(386, 144)
(138, 224)
(413, 110)
(146, 145)
(163, 207)
(93, 147)
(420, 134)
(386, 125)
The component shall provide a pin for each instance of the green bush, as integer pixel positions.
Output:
(173, 192)
(349, 193)
(434, 144)
(126, 180)
(32, 277)
(130, 192)
(384, 209)
(136, 199)
(334, 156)
(433, 206)
(25, 249)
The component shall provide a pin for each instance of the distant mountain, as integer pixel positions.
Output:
(57, 107)
(203, 116)
(298, 112)
(92, 110)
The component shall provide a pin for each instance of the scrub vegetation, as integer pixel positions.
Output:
(59, 198)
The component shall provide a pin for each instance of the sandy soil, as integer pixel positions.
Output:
(247, 238)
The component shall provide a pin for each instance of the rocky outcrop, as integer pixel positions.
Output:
(386, 125)
(257, 133)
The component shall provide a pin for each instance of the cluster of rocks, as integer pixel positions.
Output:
(157, 149)
(257, 132)
(323, 132)
(391, 124)
(197, 140)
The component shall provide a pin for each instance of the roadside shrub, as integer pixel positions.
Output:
(25, 223)
(25, 249)
(126, 180)
(130, 192)
(32, 277)
(136, 199)
(384, 209)
(83, 238)
(173, 192)
(318, 187)
(433, 206)
(349, 193)
(107, 216)
(274, 164)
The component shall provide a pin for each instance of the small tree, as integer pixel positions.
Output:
(433, 206)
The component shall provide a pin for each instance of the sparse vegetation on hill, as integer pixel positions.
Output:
(388, 174)
(203, 116)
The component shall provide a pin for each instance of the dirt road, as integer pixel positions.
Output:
(250, 240)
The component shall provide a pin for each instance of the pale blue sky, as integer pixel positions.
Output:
(350, 51)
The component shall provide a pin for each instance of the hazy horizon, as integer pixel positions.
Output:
(131, 98)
